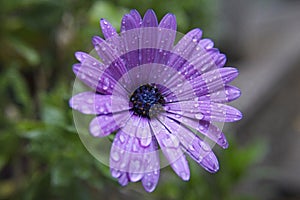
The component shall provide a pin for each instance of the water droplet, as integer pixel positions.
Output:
(184, 175)
(122, 139)
(198, 116)
(115, 156)
(90, 100)
(191, 147)
(134, 147)
(135, 165)
(205, 147)
(82, 76)
(104, 87)
(201, 128)
(146, 141)
(123, 165)
(115, 173)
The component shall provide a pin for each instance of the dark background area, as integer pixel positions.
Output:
(41, 155)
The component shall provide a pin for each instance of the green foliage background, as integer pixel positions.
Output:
(41, 155)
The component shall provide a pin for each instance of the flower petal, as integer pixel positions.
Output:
(170, 147)
(205, 110)
(214, 80)
(150, 19)
(92, 103)
(219, 112)
(203, 155)
(127, 155)
(128, 23)
(107, 29)
(150, 180)
(194, 146)
(87, 60)
(168, 22)
(138, 127)
(206, 60)
(93, 73)
(206, 43)
(204, 127)
(187, 45)
(137, 17)
(123, 179)
(228, 94)
(104, 125)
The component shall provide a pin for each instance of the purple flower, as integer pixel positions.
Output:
(156, 95)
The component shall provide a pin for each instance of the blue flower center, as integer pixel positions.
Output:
(144, 98)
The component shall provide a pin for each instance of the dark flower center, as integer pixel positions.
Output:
(147, 101)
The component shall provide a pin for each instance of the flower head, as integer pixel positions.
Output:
(157, 95)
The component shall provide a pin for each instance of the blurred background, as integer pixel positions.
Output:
(41, 155)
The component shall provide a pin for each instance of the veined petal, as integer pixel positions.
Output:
(168, 22)
(138, 127)
(137, 17)
(129, 22)
(204, 127)
(182, 52)
(219, 112)
(206, 43)
(150, 19)
(228, 94)
(170, 147)
(187, 45)
(205, 110)
(166, 38)
(150, 180)
(107, 29)
(203, 155)
(194, 146)
(127, 155)
(104, 125)
(93, 103)
(214, 80)
(93, 73)
(87, 60)
(123, 179)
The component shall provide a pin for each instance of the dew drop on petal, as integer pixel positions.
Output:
(184, 176)
(122, 139)
(191, 147)
(95, 130)
(115, 173)
(115, 156)
(205, 147)
(90, 100)
(198, 116)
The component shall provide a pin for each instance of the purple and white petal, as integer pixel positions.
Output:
(205, 110)
(107, 29)
(138, 127)
(93, 103)
(205, 128)
(194, 146)
(104, 125)
(171, 149)
(207, 83)
(150, 180)
(228, 94)
(137, 17)
(150, 19)
(127, 155)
